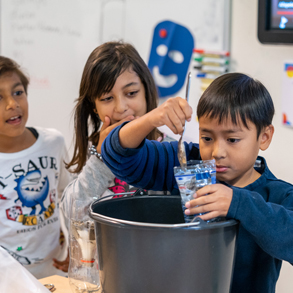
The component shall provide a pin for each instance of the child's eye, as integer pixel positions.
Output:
(206, 138)
(233, 140)
(106, 99)
(18, 93)
(132, 94)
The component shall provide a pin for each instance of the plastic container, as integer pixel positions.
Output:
(145, 246)
(196, 175)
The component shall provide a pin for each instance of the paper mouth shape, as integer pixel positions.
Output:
(164, 81)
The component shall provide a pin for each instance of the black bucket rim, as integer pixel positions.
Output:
(198, 223)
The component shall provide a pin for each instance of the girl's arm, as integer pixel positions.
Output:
(93, 181)
(173, 113)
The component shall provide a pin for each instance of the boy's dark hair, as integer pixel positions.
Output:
(7, 65)
(103, 67)
(237, 96)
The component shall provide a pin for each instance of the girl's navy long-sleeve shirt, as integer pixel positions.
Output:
(263, 208)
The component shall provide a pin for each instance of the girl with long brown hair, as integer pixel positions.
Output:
(116, 87)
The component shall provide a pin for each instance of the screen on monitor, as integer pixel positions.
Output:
(281, 15)
(275, 21)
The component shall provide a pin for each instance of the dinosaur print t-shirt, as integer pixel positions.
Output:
(31, 183)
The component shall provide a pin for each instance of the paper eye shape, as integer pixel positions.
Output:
(176, 56)
(162, 50)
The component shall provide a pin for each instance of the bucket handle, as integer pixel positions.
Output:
(198, 221)
(125, 223)
(138, 192)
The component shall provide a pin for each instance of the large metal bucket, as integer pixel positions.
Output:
(144, 246)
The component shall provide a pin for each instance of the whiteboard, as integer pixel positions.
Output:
(52, 39)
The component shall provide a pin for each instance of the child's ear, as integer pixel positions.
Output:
(266, 137)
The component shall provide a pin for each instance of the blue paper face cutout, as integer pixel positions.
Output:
(170, 56)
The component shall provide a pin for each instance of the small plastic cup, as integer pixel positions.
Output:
(197, 175)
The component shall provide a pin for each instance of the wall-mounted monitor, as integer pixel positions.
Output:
(275, 21)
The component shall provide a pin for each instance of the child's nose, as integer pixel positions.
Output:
(219, 150)
(12, 103)
(121, 105)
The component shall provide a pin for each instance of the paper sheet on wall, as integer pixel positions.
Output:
(287, 94)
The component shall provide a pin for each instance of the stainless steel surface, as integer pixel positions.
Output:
(181, 148)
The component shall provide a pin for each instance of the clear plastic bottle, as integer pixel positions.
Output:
(83, 272)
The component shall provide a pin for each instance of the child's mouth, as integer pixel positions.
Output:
(221, 169)
(14, 120)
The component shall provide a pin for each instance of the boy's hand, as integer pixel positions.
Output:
(171, 113)
(214, 200)
(107, 128)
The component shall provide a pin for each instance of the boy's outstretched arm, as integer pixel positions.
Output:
(173, 113)
(149, 166)
(140, 166)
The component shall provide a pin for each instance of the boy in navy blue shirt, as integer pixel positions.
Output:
(235, 121)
